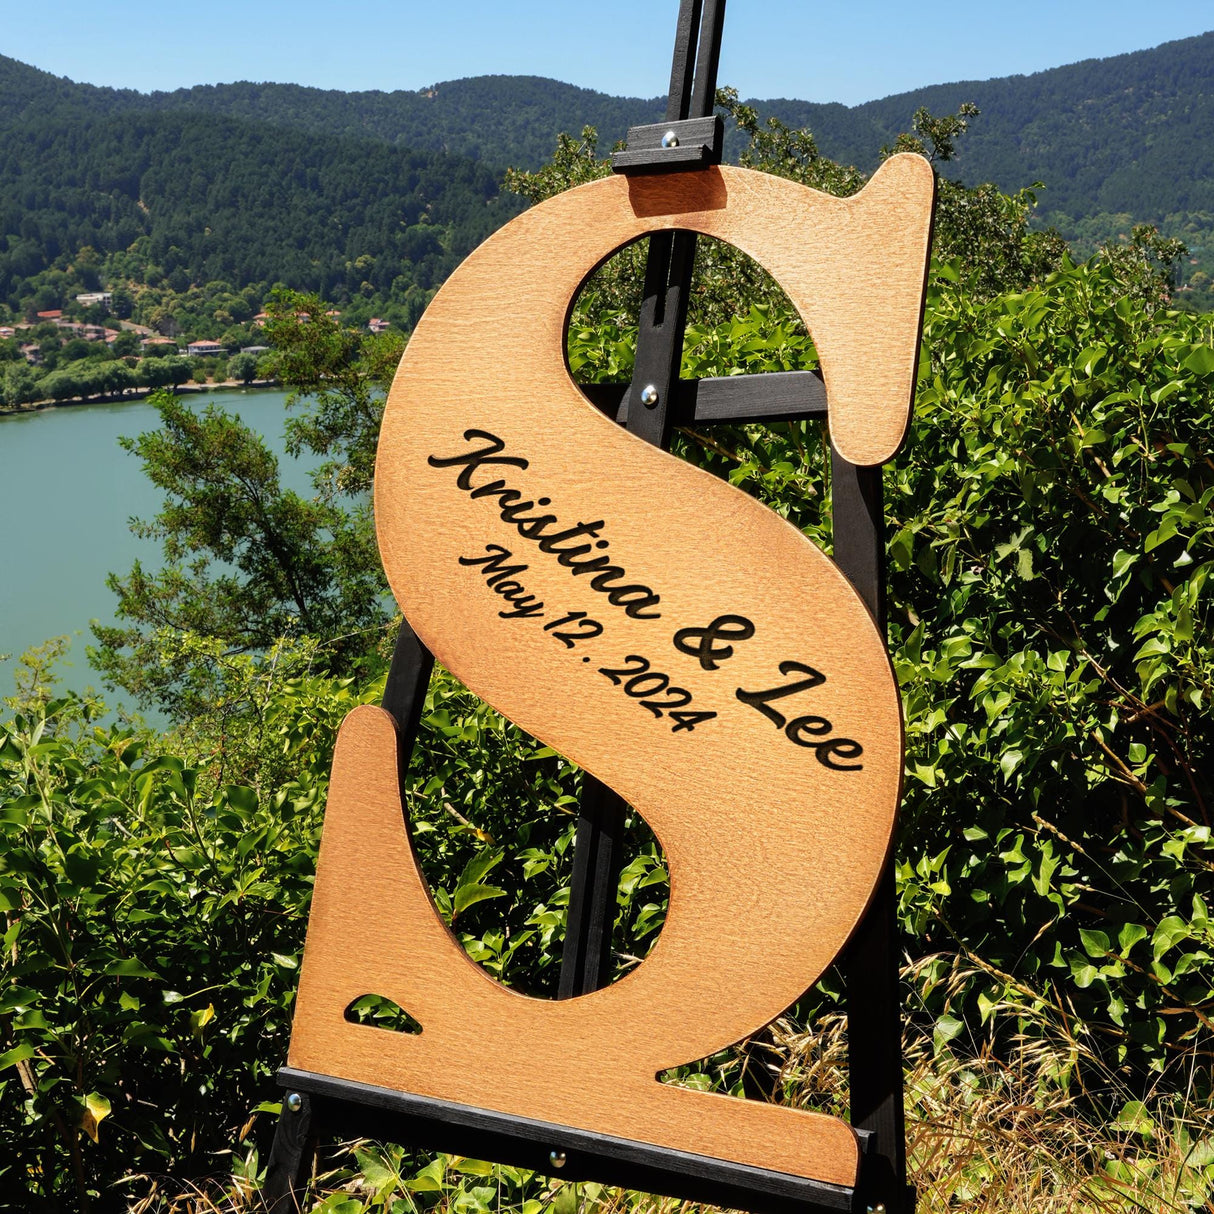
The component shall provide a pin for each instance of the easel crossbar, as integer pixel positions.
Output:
(351, 1110)
(775, 396)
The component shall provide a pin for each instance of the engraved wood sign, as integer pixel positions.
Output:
(660, 628)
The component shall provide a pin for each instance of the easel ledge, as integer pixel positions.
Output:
(387, 1115)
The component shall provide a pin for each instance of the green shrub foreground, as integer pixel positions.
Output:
(1050, 550)
(1051, 546)
(155, 914)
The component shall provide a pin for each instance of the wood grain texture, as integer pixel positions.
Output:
(495, 481)
(588, 1062)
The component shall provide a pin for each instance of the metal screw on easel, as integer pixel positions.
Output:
(670, 140)
(294, 1102)
(556, 1158)
(649, 396)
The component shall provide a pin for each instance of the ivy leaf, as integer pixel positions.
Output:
(1129, 935)
(129, 967)
(945, 1030)
(1201, 361)
(1170, 930)
(1133, 1118)
(19, 1053)
(429, 1179)
(96, 1108)
(470, 887)
(469, 895)
(1095, 944)
(379, 1176)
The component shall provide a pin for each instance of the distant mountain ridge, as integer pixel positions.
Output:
(501, 120)
(352, 192)
(1129, 133)
(184, 197)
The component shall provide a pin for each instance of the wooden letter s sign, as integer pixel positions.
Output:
(660, 628)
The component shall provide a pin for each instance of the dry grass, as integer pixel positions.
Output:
(1041, 1127)
(1044, 1126)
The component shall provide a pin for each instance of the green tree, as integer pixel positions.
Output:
(87, 265)
(243, 367)
(47, 298)
(65, 383)
(245, 562)
(162, 372)
(114, 377)
(122, 304)
(49, 346)
(302, 568)
(22, 384)
(775, 147)
(126, 344)
(1147, 265)
(340, 375)
(983, 229)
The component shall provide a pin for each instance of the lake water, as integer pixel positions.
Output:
(67, 493)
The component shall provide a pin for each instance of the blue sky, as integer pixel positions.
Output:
(834, 51)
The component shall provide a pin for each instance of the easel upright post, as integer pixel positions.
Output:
(649, 405)
(870, 966)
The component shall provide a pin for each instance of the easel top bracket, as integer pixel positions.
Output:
(671, 147)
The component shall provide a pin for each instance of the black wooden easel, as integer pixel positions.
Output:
(319, 1109)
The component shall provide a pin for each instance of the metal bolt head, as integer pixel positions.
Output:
(670, 140)
(879, 1208)
(556, 1158)
(649, 396)
(294, 1102)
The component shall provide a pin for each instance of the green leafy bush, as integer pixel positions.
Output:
(155, 894)
(152, 937)
(1051, 547)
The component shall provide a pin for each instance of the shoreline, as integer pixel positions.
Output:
(227, 385)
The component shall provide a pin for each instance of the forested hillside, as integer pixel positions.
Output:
(499, 119)
(377, 195)
(245, 202)
(1129, 133)
(1114, 141)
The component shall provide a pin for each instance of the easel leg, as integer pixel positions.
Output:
(870, 966)
(292, 1156)
(598, 850)
(874, 1047)
(405, 689)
